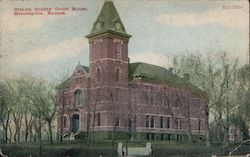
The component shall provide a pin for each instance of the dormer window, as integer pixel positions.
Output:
(98, 25)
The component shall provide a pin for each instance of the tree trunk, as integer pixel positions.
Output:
(208, 138)
(61, 129)
(6, 127)
(40, 137)
(17, 122)
(5, 138)
(50, 132)
(70, 126)
(93, 130)
(113, 136)
(245, 131)
(208, 131)
(225, 140)
(31, 135)
(26, 135)
(189, 127)
(88, 129)
(28, 125)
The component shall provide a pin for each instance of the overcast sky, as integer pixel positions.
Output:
(51, 46)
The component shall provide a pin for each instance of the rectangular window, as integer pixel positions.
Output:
(117, 74)
(179, 123)
(98, 52)
(158, 99)
(162, 137)
(118, 51)
(147, 121)
(152, 136)
(144, 97)
(117, 55)
(199, 125)
(64, 121)
(168, 122)
(116, 94)
(147, 136)
(168, 137)
(98, 95)
(151, 97)
(179, 137)
(98, 119)
(161, 122)
(117, 122)
(152, 122)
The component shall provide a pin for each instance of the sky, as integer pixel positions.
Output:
(51, 46)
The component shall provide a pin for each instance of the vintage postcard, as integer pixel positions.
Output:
(113, 78)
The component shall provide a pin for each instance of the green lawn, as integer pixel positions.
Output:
(104, 148)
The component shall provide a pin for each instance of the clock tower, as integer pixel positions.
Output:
(108, 42)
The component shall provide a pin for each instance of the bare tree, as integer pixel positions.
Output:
(42, 96)
(61, 102)
(216, 77)
(4, 111)
(114, 115)
(134, 111)
(10, 100)
(242, 86)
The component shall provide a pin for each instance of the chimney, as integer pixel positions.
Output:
(186, 76)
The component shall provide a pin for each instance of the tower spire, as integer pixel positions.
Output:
(108, 21)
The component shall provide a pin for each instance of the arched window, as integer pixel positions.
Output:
(98, 74)
(117, 74)
(79, 98)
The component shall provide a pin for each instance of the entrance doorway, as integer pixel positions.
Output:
(75, 123)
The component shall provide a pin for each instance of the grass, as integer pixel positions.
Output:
(161, 149)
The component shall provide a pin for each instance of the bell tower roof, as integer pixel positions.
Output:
(108, 21)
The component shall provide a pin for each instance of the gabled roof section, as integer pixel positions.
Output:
(108, 21)
(158, 74)
(81, 69)
(65, 84)
(85, 68)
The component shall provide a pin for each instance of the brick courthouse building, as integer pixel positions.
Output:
(136, 100)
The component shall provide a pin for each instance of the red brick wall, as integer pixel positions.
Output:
(127, 100)
(102, 55)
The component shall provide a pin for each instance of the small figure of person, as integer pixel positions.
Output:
(152, 151)
(123, 151)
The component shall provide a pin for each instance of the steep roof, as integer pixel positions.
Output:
(66, 83)
(108, 21)
(153, 73)
(63, 85)
(86, 68)
(148, 71)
